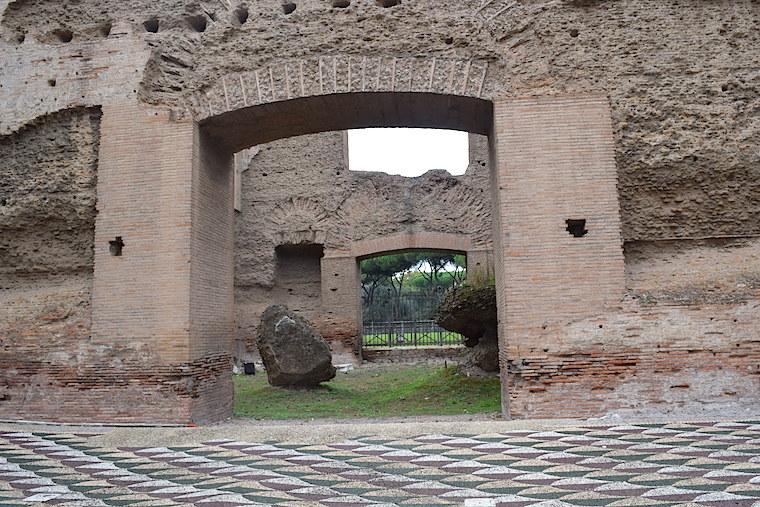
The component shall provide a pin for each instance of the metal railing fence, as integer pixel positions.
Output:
(408, 333)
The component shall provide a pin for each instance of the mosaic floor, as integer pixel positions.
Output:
(653, 464)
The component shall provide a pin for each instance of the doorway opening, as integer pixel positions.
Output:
(327, 210)
(400, 294)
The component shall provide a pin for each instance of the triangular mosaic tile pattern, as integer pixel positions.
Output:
(656, 465)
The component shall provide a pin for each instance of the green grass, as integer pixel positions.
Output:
(371, 392)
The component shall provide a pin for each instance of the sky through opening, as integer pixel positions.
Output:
(408, 151)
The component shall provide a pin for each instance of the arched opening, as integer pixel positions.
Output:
(299, 191)
(551, 160)
(242, 128)
(230, 133)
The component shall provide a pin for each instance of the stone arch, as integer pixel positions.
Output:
(341, 280)
(340, 74)
(419, 240)
(479, 258)
(177, 267)
(241, 127)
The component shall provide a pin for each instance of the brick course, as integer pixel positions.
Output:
(633, 359)
(554, 161)
(573, 342)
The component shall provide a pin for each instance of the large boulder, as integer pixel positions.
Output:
(294, 354)
(471, 311)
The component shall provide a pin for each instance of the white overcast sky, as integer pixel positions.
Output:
(406, 151)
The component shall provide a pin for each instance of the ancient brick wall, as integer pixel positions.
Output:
(128, 346)
(683, 337)
(47, 197)
(683, 93)
(47, 225)
(641, 360)
(340, 318)
(40, 79)
(50, 349)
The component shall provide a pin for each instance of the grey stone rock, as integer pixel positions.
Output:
(471, 311)
(294, 354)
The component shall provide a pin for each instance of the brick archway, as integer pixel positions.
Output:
(411, 241)
(240, 128)
(340, 320)
(166, 189)
(339, 74)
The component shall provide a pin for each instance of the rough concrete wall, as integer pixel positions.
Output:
(682, 81)
(47, 225)
(48, 22)
(716, 271)
(47, 197)
(300, 190)
(684, 92)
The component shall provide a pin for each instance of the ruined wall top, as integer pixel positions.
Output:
(682, 82)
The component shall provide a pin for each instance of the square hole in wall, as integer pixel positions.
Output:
(115, 246)
(576, 227)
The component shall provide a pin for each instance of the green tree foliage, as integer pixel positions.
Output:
(420, 282)
(387, 277)
(386, 270)
(436, 264)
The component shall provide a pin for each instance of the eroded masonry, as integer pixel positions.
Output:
(613, 189)
(302, 212)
